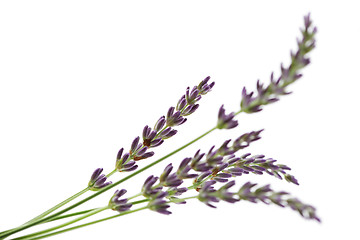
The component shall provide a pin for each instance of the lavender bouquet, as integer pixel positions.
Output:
(205, 176)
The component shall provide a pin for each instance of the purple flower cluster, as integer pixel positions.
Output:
(226, 121)
(163, 129)
(257, 164)
(208, 194)
(252, 102)
(98, 180)
(117, 204)
(216, 161)
(266, 195)
(122, 163)
(170, 180)
(155, 195)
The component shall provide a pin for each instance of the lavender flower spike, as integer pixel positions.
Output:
(98, 181)
(251, 102)
(267, 195)
(225, 121)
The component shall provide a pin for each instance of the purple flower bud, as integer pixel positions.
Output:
(118, 157)
(168, 133)
(148, 137)
(291, 179)
(166, 172)
(202, 176)
(125, 164)
(169, 180)
(160, 206)
(224, 150)
(98, 181)
(132, 168)
(148, 190)
(184, 168)
(174, 119)
(144, 156)
(190, 110)
(193, 96)
(118, 204)
(174, 191)
(156, 142)
(207, 193)
(135, 145)
(226, 121)
(160, 124)
(181, 104)
(203, 87)
(244, 140)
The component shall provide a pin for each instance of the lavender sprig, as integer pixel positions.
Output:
(266, 195)
(252, 102)
(257, 164)
(163, 128)
(209, 195)
(218, 165)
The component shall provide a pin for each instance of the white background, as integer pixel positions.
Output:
(80, 79)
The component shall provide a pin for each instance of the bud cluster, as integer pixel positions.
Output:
(163, 128)
(117, 204)
(209, 195)
(98, 180)
(252, 102)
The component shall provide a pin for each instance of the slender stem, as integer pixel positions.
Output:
(109, 174)
(58, 205)
(88, 224)
(135, 196)
(97, 221)
(51, 210)
(71, 215)
(90, 213)
(108, 187)
(95, 211)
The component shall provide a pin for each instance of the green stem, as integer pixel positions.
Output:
(90, 213)
(93, 212)
(97, 221)
(50, 211)
(71, 215)
(58, 205)
(109, 174)
(135, 196)
(108, 187)
(88, 224)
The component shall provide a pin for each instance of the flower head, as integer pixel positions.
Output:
(98, 180)
(225, 121)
